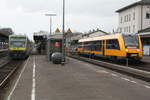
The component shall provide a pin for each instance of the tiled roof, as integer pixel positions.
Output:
(142, 2)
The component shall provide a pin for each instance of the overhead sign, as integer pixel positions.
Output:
(57, 44)
(57, 30)
(69, 31)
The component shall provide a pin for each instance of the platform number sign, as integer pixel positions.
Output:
(57, 44)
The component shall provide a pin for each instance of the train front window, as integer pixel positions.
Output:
(18, 39)
(17, 44)
(131, 41)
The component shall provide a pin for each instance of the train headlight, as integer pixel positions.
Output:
(138, 50)
(127, 50)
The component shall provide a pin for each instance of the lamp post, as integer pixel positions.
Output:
(63, 37)
(49, 36)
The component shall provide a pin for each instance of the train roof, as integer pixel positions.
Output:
(14, 35)
(105, 37)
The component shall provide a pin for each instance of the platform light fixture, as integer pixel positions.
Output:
(49, 36)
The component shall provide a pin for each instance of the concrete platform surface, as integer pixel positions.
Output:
(77, 80)
(146, 59)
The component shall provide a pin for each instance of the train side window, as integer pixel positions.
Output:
(94, 46)
(112, 44)
(97, 46)
(89, 46)
(80, 45)
(100, 46)
(0, 45)
(86, 46)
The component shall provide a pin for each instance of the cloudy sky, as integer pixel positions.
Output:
(28, 16)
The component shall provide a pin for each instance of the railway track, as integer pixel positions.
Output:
(142, 66)
(4, 57)
(140, 71)
(7, 71)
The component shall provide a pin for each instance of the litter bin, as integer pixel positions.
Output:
(56, 58)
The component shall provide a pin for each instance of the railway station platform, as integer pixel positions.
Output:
(76, 80)
(146, 59)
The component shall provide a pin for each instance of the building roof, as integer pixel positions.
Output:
(93, 33)
(144, 30)
(6, 31)
(41, 33)
(142, 2)
(96, 31)
(145, 33)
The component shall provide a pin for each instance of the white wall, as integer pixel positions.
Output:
(146, 22)
(137, 22)
(130, 22)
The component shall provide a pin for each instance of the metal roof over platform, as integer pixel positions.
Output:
(145, 33)
(40, 36)
(6, 32)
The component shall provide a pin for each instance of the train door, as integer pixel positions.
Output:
(103, 48)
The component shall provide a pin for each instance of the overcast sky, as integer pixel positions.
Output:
(27, 16)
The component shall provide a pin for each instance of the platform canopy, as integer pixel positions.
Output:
(145, 33)
(40, 36)
(6, 32)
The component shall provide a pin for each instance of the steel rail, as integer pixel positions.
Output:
(10, 74)
(4, 60)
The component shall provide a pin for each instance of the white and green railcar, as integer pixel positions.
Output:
(19, 46)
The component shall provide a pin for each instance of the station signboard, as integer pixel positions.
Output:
(57, 44)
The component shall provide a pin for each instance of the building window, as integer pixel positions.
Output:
(134, 16)
(129, 17)
(148, 15)
(121, 20)
(125, 19)
(120, 29)
(133, 28)
(124, 29)
(129, 29)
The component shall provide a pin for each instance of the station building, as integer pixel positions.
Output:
(4, 33)
(73, 37)
(135, 19)
(95, 33)
(40, 39)
(4, 37)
